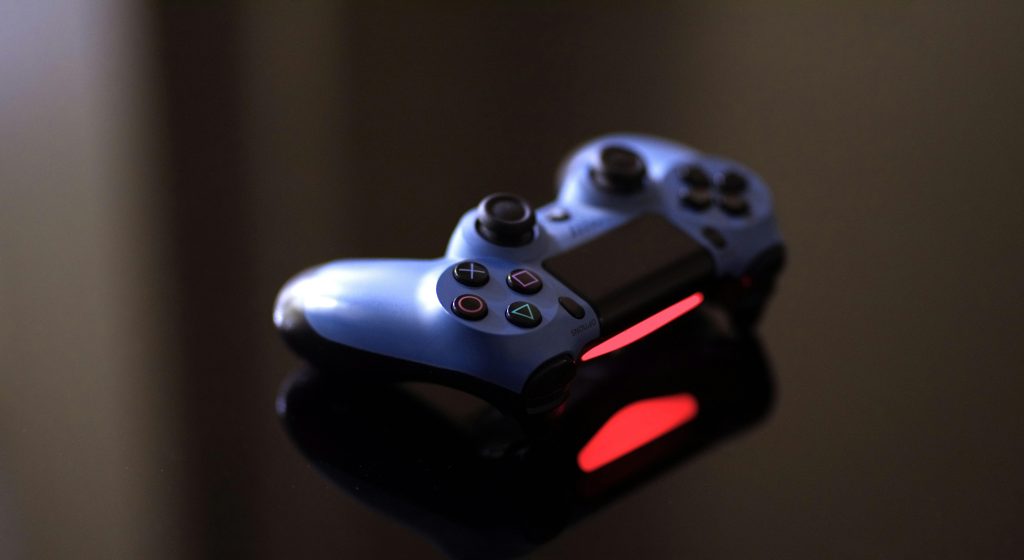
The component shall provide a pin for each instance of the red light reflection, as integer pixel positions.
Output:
(634, 426)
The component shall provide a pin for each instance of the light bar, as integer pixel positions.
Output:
(645, 327)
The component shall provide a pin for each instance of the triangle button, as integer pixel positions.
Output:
(523, 311)
(523, 314)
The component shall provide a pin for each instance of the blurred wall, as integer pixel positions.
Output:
(84, 429)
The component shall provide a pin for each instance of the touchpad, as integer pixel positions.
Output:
(634, 271)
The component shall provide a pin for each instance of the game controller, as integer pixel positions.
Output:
(643, 230)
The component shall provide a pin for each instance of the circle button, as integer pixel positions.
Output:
(469, 306)
(471, 273)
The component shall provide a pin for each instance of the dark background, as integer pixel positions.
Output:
(163, 169)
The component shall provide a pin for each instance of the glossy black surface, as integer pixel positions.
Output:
(482, 485)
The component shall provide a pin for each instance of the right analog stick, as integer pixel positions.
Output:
(619, 170)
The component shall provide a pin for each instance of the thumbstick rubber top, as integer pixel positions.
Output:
(620, 170)
(505, 219)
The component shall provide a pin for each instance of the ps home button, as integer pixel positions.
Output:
(523, 314)
(524, 281)
(470, 307)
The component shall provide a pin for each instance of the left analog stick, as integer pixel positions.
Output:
(505, 219)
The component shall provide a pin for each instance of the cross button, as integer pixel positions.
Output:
(471, 273)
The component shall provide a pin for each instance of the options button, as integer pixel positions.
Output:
(573, 308)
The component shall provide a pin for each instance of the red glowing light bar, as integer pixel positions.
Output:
(634, 426)
(645, 327)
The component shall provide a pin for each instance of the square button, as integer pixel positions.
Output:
(524, 281)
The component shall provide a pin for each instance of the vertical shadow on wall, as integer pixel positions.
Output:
(204, 171)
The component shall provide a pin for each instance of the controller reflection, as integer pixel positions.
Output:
(483, 485)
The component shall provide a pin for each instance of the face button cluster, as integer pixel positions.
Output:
(472, 307)
(699, 191)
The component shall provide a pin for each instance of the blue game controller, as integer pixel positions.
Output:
(643, 231)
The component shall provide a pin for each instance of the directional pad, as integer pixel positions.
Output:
(523, 314)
